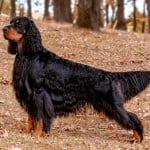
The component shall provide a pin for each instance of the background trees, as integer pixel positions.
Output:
(148, 10)
(91, 14)
(1, 5)
(29, 10)
(46, 10)
(110, 4)
(12, 8)
(62, 10)
(120, 18)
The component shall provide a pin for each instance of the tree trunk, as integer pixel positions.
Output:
(134, 15)
(13, 8)
(101, 14)
(120, 19)
(62, 10)
(107, 13)
(89, 14)
(143, 21)
(29, 11)
(148, 10)
(1, 5)
(46, 10)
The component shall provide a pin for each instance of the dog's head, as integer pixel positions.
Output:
(20, 33)
(16, 29)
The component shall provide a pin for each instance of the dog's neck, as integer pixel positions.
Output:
(29, 45)
(20, 45)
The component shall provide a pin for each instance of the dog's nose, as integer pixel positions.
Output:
(5, 29)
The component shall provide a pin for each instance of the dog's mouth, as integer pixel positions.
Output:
(11, 34)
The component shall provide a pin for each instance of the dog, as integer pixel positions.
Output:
(47, 85)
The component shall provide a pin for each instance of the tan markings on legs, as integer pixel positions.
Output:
(38, 128)
(136, 136)
(103, 115)
(31, 123)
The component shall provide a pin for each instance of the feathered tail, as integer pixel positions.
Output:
(133, 83)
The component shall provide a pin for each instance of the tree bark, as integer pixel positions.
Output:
(107, 13)
(29, 11)
(89, 14)
(46, 10)
(148, 10)
(143, 22)
(1, 5)
(120, 19)
(101, 14)
(134, 15)
(62, 10)
(13, 8)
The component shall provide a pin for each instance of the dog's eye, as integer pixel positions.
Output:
(17, 22)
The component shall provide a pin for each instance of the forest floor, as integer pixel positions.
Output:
(108, 49)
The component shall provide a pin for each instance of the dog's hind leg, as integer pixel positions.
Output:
(127, 120)
(138, 127)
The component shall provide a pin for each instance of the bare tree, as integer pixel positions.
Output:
(101, 14)
(1, 5)
(110, 4)
(143, 21)
(13, 8)
(46, 10)
(29, 10)
(62, 10)
(148, 10)
(89, 14)
(120, 18)
(134, 15)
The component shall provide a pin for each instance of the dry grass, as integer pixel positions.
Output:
(107, 49)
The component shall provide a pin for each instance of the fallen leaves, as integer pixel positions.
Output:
(3, 133)
(5, 81)
(109, 50)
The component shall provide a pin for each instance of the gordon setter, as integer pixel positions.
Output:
(47, 85)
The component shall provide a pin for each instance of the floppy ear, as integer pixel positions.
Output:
(12, 47)
(32, 40)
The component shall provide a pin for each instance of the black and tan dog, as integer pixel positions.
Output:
(47, 85)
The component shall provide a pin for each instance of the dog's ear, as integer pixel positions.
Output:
(12, 47)
(32, 40)
(32, 30)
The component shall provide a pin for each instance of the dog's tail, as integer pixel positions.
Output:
(133, 83)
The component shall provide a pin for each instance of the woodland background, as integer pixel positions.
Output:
(105, 48)
(85, 13)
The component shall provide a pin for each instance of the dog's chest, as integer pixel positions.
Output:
(19, 74)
